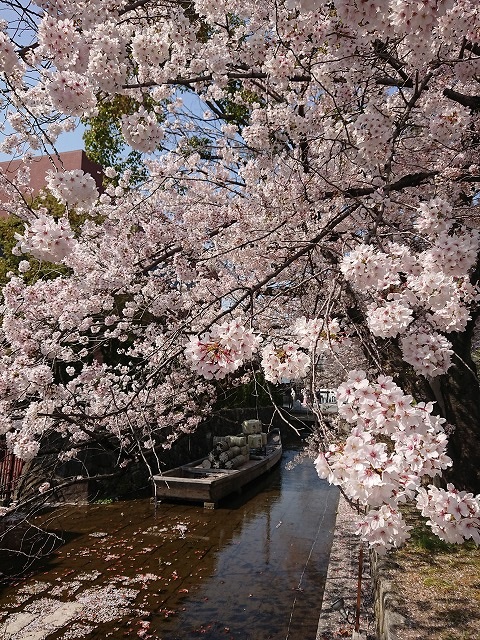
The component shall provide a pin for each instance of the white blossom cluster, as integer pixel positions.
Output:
(60, 40)
(71, 93)
(453, 515)
(370, 269)
(142, 131)
(24, 442)
(319, 333)
(456, 252)
(390, 319)
(433, 287)
(373, 130)
(434, 216)
(107, 67)
(284, 363)
(24, 447)
(150, 49)
(383, 528)
(429, 353)
(222, 350)
(73, 188)
(393, 445)
(46, 238)
(44, 487)
(10, 63)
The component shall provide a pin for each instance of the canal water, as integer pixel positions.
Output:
(253, 569)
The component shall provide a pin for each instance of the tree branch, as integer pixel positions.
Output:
(380, 49)
(472, 102)
(411, 180)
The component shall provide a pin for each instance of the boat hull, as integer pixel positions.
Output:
(193, 483)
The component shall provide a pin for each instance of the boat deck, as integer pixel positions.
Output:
(193, 483)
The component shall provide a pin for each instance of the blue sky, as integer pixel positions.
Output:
(66, 142)
(72, 141)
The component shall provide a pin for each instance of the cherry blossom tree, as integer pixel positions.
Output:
(313, 174)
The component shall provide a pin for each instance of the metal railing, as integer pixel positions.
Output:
(10, 470)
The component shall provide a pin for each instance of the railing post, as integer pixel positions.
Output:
(10, 470)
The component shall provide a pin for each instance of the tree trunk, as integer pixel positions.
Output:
(460, 391)
(457, 395)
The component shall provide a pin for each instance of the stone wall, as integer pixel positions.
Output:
(389, 623)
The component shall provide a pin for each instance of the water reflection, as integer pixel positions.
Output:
(252, 570)
(268, 580)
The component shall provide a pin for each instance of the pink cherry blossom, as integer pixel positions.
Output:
(309, 182)
(47, 239)
(74, 188)
(222, 350)
(286, 362)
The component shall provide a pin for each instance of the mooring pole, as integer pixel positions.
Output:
(359, 588)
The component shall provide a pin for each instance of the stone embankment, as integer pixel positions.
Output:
(378, 613)
(339, 606)
(387, 602)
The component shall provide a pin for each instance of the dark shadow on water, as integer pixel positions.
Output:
(28, 547)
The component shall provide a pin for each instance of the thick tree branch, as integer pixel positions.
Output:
(387, 81)
(231, 75)
(473, 47)
(381, 50)
(472, 102)
(411, 180)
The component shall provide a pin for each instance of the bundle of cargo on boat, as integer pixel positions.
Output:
(229, 452)
(251, 427)
(225, 456)
(255, 441)
(236, 441)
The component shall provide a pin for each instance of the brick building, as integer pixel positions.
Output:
(41, 164)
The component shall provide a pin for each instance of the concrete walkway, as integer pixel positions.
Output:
(342, 582)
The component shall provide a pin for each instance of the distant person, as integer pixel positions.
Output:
(293, 397)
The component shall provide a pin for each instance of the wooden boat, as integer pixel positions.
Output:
(193, 483)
